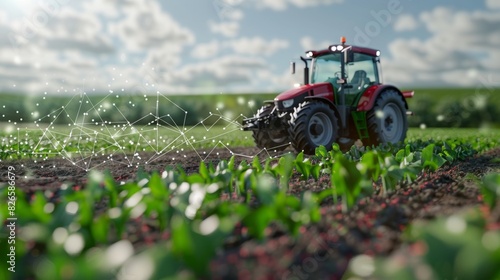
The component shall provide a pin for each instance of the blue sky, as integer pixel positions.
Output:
(207, 46)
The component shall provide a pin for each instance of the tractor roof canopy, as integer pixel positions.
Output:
(340, 48)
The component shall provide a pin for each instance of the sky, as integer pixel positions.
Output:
(230, 46)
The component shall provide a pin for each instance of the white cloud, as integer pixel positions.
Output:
(405, 22)
(283, 4)
(61, 30)
(51, 53)
(226, 28)
(286, 80)
(493, 4)
(111, 8)
(206, 50)
(234, 15)
(70, 48)
(228, 9)
(74, 49)
(36, 70)
(307, 43)
(253, 46)
(74, 30)
(216, 74)
(7, 39)
(148, 26)
(461, 43)
(461, 30)
(258, 46)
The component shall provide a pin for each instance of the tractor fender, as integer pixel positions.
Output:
(326, 101)
(367, 100)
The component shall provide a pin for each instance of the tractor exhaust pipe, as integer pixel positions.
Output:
(306, 71)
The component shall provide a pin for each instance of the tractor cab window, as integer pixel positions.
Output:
(361, 73)
(326, 68)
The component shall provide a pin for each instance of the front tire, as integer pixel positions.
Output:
(387, 121)
(313, 124)
(276, 139)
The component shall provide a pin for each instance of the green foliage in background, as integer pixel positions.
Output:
(432, 107)
(473, 108)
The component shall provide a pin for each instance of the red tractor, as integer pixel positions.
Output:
(342, 100)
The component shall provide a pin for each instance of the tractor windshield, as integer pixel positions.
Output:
(326, 68)
(360, 73)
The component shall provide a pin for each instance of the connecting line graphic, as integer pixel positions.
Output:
(88, 139)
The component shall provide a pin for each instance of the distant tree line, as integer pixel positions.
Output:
(473, 111)
(138, 110)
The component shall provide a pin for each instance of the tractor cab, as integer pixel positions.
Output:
(349, 69)
(360, 73)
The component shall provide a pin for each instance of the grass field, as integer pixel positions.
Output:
(48, 141)
(445, 133)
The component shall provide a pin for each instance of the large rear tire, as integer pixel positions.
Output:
(276, 139)
(313, 124)
(387, 120)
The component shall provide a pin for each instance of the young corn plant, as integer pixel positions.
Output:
(349, 182)
(306, 168)
(431, 161)
(490, 189)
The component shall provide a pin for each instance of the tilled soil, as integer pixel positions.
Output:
(321, 251)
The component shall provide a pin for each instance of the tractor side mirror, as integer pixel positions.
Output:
(292, 68)
(348, 56)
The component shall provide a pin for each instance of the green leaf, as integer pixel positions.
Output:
(111, 187)
(370, 165)
(256, 164)
(258, 220)
(431, 160)
(38, 207)
(231, 165)
(490, 189)
(300, 157)
(181, 236)
(347, 180)
(158, 189)
(265, 188)
(196, 178)
(248, 181)
(321, 152)
(285, 168)
(303, 168)
(100, 228)
(428, 153)
(316, 171)
(204, 171)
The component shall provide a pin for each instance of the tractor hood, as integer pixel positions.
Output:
(319, 90)
(290, 99)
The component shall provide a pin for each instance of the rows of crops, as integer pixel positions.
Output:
(64, 235)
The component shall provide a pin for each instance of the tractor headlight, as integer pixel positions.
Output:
(336, 48)
(288, 103)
